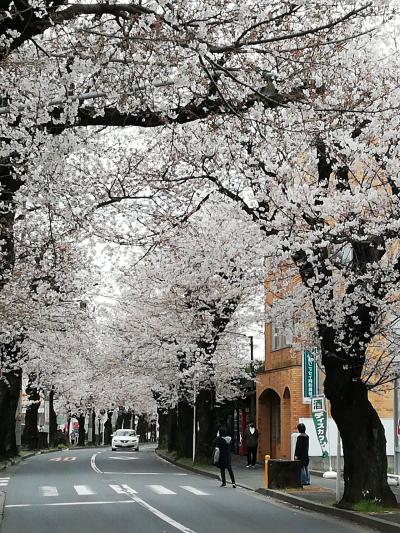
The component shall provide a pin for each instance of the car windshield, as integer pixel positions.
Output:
(125, 433)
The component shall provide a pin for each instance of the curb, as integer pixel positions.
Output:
(186, 467)
(2, 503)
(16, 461)
(197, 470)
(352, 516)
(378, 523)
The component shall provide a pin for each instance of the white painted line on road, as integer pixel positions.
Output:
(143, 474)
(128, 489)
(93, 463)
(83, 490)
(159, 489)
(164, 517)
(124, 458)
(66, 503)
(194, 491)
(48, 490)
(118, 489)
(4, 478)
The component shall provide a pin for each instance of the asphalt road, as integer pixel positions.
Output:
(96, 491)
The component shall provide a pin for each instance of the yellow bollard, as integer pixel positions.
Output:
(266, 461)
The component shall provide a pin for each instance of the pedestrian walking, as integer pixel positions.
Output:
(301, 453)
(223, 443)
(252, 445)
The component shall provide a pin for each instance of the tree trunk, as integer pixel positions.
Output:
(10, 387)
(184, 430)
(120, 420)
(172, 430)
(142, 428)
(363, 438)
(94, 421)
(52, 420)
(206, 423)
(108, 429)
(31, 433)
(81, 435)
(163, 418)
(127, 420)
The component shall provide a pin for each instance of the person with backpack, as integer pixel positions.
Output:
(224, 462)
(301, 453)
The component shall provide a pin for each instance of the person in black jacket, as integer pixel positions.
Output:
(252, 444)
(223, 442)
(301, 453)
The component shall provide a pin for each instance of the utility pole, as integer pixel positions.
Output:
(396, 452)
(194, 419)
(253, 385)
(338, 468)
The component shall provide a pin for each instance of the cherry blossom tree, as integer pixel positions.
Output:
(175, 308)
(287, 109)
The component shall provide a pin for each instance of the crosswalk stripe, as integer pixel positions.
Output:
(117, 489)
(159, 489)
(83, 490)
(194, 491)
(128, 489)
(47, 490)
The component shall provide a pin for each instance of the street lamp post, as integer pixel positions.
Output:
(253, 390)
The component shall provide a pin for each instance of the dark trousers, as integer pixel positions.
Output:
(251, 455)
(229, 468)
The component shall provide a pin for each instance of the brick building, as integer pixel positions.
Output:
(280, 402)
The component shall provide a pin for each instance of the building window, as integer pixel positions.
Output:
(279, 339)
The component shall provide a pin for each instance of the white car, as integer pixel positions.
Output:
(125, 438)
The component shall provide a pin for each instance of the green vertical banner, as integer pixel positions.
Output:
(309, 368)
(320, 422)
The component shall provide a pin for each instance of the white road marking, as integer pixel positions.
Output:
(194, 491)
(48, 490)
(124, 458)
(58, 459)
(117, 489)
(128, 489)
(67, 503)
(83, 490)
(93, 463)
(164, 517)
(159, 489)
(142, 474)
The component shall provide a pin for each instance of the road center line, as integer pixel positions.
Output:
(93, 463)
(164, 517)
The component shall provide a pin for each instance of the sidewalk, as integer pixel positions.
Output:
(319, 496)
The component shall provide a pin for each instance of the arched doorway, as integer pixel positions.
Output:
(270, 418)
